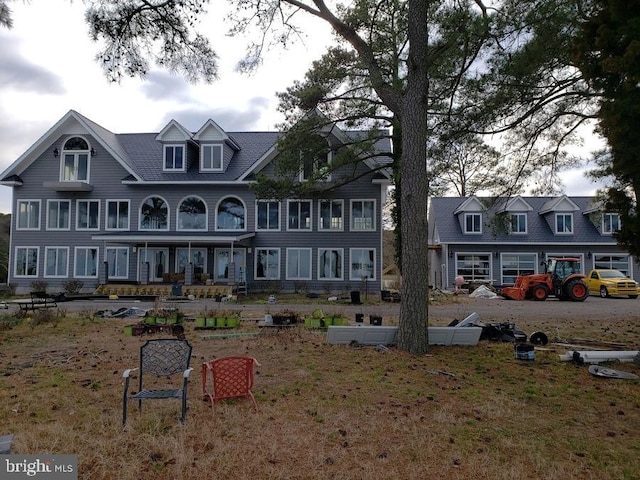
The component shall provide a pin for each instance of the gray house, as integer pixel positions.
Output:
(488, 240)
(176, 206)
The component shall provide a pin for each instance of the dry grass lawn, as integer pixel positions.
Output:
(325, 412)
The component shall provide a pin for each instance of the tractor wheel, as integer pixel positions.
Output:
(539, 293)
(604, 293)
(577, 290)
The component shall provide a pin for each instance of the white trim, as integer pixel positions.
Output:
(374, 216)
(47, 249)
(106, 259)
(46, 221)
(106, 214)
(15, 260)
(211, 169)
(244, 206)
(322, 250)
(342, 216)
(258, 202)
(206, 215)
(164, 157)
(286, 263)
(298, 201)
(140, 216)
(255, 263)
(75, 260)
(28, 200)
(88, 202)
(351, 259)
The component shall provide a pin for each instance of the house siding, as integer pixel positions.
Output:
(448, 242)
(110, 180)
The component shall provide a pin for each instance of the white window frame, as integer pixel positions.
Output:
(56, 252)
(565, 216)
(76, 255)
(331, 226)
(362, 219)
(608, 230)
(28, 249)
(88, 203)
(289, 253)
(204, 228)
(473, 216)
(211, 168)
(521, 221)
(76, 161)
(268, 265)
(321, 276)
(182, 253)
(141, 216)
(32, 217)
(117, 251)
(299, 203)
(268, 203)
(57, 219)
(243, 228)
(351, 263)
(118, 213)
(173, 147)
(317, 166)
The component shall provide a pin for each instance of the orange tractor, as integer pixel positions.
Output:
(560, 280)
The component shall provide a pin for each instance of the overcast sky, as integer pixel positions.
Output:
(47, 68)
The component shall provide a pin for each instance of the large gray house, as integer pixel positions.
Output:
(176, 206)
(488, 240)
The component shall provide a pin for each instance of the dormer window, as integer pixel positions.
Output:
(610, 223)
(211, 158)
(564, 223)
(472, 223)
(74, 166)
(518, 223)
(173, 157)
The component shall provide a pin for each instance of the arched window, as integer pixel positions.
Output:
(192, 214)
(231, 213)
(75, 160)
(154, 214)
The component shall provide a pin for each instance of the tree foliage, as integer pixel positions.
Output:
(608, 53)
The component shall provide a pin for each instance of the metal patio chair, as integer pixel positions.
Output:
(163, 358)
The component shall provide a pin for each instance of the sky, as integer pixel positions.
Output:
(47, 68)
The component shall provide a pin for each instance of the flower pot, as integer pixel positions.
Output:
(150, 320)
(161, 321)
(201, 322)
(328, 321)
(128, 330)
(210, 322)
(233, 321)
(221, 321)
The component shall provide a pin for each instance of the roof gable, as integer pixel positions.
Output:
(174, 132)
(514, 204)
(471, 204)
(72, 123)
(559, 204)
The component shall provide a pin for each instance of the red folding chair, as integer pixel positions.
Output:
(229, 377)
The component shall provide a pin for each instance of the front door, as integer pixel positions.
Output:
(158, 259)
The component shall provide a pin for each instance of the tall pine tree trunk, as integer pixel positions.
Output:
(413, 332)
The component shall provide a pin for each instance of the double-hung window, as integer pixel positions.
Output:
(330, 263)
(86, 264)
(363, 215)
(117, 215)
(28, 215)
(610, 223)
(299, 215)
(268, 215)
(58, 212)
(56, 262)
(564, 223)
(211, 158)
(518, 223)
(472, 223)
(174, 157)
(331, 216)
(298, 264)
(88, 217)
(26, 262)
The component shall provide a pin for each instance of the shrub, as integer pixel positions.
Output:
(72, 287)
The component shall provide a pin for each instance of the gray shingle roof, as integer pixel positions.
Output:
(442, 219)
